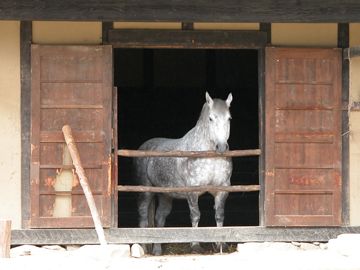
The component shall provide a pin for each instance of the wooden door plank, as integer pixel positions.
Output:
(70, 85)
(303, 142)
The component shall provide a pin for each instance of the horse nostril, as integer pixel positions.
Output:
(221, 148)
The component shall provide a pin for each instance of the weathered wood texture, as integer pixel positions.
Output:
(105, 27)
(303, 144)
(242, 188)
(183, 10)
(69, 139)
(344, 42)
(186, 39)
(178, 235)
(5, 238)
(114, 157)
(191, 154)
(70, 85)
(25, 73)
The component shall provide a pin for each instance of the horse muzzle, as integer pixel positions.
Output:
(222, 147)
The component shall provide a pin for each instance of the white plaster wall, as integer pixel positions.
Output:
(304, 34)
(66, 33)
(354, 122)
(10, 142)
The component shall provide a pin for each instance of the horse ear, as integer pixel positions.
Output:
(209, 99)
(229, 99)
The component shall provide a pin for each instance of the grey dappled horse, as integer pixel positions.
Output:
(211, 132)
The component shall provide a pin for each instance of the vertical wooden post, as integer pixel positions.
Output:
(84, 182)
(5, 238)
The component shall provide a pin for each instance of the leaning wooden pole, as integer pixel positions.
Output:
(5, 238)
(84, 182)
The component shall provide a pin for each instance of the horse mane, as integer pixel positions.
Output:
(204, 114)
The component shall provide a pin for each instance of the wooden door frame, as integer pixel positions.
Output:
(25, 43)
(207, 39)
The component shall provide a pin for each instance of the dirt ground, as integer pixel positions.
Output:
(341, 253)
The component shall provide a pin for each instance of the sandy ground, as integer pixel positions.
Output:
(249, 256)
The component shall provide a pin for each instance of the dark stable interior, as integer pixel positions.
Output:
(161, 93)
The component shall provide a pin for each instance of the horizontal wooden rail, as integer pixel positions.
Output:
(238, 188)
(193, 154)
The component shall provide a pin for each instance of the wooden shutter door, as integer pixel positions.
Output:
(70, 85)
(303, 137)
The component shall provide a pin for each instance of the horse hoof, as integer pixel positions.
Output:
(196, 249)
(157, 250)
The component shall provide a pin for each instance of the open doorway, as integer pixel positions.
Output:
(161, 93)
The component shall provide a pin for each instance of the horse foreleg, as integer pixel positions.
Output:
(219, 206)
(162, 211)
(144, 202)
(193, 199)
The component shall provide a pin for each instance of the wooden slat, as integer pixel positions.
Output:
(70, 106)
(178, 235)
(192, 154)
(69, 167)
(80, 136)
(184, 10)
(238, 188)
(66, 193)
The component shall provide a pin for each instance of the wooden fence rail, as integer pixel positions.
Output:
(237, 188)
(192, 154)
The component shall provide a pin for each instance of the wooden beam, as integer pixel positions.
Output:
(205, 39)
(25, 96)
(344, 42)
(192, 154)
(178, 235)
(106, 26)
(266, 27)
(5, 238)
(238, 188)
(183, 10)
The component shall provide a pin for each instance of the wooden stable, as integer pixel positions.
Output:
(303, 103)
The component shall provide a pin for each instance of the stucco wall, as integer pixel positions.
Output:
(10, 153)
(63, 33)
(354, 119)
(304, 34)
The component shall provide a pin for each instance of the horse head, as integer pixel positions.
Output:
(218, 122)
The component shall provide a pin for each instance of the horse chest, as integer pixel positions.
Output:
(206, 171)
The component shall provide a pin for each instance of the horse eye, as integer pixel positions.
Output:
(210, 118)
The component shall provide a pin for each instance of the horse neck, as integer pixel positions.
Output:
(198, 137)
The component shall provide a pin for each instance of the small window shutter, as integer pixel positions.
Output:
(70, 85)
(303, 137)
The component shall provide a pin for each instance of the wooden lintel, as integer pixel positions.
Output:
(178, 235)
(121, 38)
(184, 10)
(191, 154)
